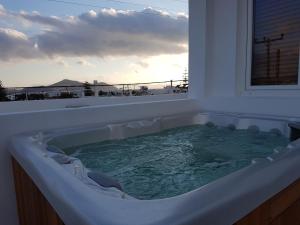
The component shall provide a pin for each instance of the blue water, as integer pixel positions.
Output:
(176, 161)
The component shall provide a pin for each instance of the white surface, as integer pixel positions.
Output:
(197, 48)
(34, 106)
(230, 197)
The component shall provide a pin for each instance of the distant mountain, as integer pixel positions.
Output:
(67, 83)
(70, 83)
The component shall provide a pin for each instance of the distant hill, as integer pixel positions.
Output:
(67, 83)
(70, 83)
(57, 88)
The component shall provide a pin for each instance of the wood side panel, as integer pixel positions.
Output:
(291, 216)
(259, 216)
(282, 209)
(283, 201)
(18, 190)
(33, 207)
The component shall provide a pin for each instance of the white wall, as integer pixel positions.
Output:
(221, 47)
(197, 50)
(221, 35)
(38, 105)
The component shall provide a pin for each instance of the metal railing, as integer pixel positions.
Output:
(96, 90)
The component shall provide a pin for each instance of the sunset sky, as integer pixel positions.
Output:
(44, 41)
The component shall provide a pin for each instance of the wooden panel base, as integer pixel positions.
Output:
(282, 209)
(33, 208)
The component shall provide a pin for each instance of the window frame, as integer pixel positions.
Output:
(250, 34)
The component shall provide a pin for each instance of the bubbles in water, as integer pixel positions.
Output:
(231, 127)
(178, 160)
(276, 132)
(253, 129)
(210, 124)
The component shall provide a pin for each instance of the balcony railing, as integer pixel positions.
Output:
(95, 90)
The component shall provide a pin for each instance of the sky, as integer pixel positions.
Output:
(113, 41)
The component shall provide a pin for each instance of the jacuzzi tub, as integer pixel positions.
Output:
(78, 200)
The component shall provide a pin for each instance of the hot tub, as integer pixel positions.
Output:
(80, 200)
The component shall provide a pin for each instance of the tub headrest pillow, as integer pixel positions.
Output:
(104, 180)
(63, 159)
(54, 149)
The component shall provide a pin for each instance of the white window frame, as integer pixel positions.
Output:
(248, 86)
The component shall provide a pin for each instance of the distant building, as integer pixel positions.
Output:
(62, 89)
(101, 88)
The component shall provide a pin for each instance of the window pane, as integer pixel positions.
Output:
(276, 42)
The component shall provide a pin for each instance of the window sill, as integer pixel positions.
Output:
(272, 92)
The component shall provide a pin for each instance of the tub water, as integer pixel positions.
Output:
(179, 160)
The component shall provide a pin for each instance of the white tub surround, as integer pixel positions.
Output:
(78, 200)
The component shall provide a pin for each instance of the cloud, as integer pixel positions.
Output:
(83, 62)
(36, 18)
(17, 45)
(2, 10)
(103, 33)
(177, 65)
(142, 64)
(62, 62)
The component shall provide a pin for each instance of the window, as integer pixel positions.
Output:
(275, 44)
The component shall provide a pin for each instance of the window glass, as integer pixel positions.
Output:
(275, 58)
